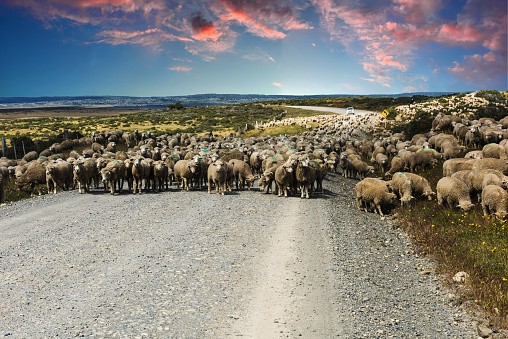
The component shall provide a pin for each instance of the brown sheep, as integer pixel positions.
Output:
(160, 176)
(59, 173)
(35, 174)
(305, 176)
(141, 171)
(242, 173)
(114, 174)
(284, 179)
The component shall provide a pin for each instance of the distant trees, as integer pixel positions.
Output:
(178, 105)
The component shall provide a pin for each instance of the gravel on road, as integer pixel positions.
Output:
(192, 265)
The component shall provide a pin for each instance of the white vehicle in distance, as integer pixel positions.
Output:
(350, 111)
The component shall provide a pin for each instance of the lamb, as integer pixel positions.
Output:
(113, 174)
(160, 176)
(454, 192)
(284, 178)
(321, 173)
(242, 173)
(494, 200)
(500, 165)
(376, 195)
(397, 165)
(305, 176)
(346, 165)
(474, 180)
(217, 174)
(35, 174)
(420, 186)
(402, 187)
(59, 173)
(361, 168)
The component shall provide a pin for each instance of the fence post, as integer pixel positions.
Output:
(23, 144)
(4, 147)
(15, 155)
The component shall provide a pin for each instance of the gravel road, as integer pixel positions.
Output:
(193, 265)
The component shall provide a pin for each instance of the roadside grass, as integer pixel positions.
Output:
(463, 242)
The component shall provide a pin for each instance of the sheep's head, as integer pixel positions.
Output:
(466, 206)
(106, 174)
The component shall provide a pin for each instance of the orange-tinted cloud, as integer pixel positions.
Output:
(204, 29)
(278, 84)
(181, 69)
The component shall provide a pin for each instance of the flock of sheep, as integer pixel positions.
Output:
(468, 177)
(295, 164)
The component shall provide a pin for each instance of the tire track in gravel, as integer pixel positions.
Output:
(293, 281)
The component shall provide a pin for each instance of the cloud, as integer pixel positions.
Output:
(181, 69)
(150, 37)
(481, 69)
(258, 55)
(278, 84)
(387, 38)
(203, 29)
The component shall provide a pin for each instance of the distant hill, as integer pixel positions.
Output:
(211, 99)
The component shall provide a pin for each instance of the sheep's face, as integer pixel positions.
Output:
(466, 206)
(106, 175)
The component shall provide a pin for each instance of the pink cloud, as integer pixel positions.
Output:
(93, 3)
(252, 25)
(370, 80)
(481, 69)
(417, 10)
(204, 29)
(181, 69)
(278, 84)
(149, 37)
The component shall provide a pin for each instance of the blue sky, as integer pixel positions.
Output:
(176, 47)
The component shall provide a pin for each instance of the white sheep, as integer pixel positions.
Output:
(454, 192)
(494, 200)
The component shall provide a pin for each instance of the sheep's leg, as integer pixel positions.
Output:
(485, 211)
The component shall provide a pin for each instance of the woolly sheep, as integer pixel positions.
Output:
(284, 179)
(59, 173)
(500, 165)
(361, 168)
(217, 175)
(381, 161)
(420, 186)
(454, 192)
(113, 175)
(451, 166)
(305, 176)
(474, 180)
(33, 155)
(397, 165)
(35, 174)
(160, 176)
(494, 200)
(243, 174)
(494, 151)
(369, 194)
(266, 179)
(402, 187)
(461, 175)
(140, 173)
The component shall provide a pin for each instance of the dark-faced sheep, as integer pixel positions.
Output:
(494, 200)
(454, 193)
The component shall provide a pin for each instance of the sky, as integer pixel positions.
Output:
(294, 47)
